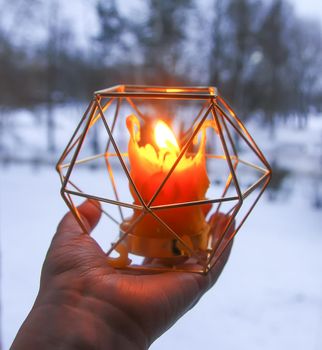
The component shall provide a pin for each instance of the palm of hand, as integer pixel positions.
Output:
(144, 306)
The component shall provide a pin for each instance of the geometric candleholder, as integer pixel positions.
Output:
(169, 205)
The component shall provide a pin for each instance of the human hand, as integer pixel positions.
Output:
(83, 303)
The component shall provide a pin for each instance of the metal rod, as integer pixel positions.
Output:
(254, 186)
(173, 233)
(72, 163)
(241, 223)
(104, 108)
(227, 227)
(210, 90)
(101, 209)
(116, 114)
(182, 152)
(68, 148)
(126, 233)
(166, 95)
(224, 145)
(242, 126)
(121, 159)
(111, 175)
(134, 106)
(112, 88)
(195, 203)
(108, 165)
(105, 200)
(254, 166)
(255, 202)
(240, 202)
(254, 147)
(230, 178)
(186, 134)
(125, 154)
(84, 160)
(74, 211)
(227, 185)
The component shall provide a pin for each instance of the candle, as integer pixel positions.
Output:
(149, 165)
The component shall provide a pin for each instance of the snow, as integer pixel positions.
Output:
(268, 297)
(291, 143)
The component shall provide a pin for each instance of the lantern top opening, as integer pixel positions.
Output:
(145, 91)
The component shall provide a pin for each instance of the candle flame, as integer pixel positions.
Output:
(165, 138)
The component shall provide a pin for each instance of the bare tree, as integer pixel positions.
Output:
(112, 26)
(217, 58)
(272, 73)
(305, 67)
(243, 24)
(1, 337)
(51, 52)
(162, 39)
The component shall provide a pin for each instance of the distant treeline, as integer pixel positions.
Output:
(262, 57)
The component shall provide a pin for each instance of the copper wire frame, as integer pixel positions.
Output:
(222, 114)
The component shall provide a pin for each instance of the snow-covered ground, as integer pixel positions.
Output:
(269, 296)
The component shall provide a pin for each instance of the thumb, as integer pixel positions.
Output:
(90, 213)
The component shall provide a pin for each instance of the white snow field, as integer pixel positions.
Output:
(268, 297)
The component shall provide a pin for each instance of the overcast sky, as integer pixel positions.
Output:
(83, 22)
(303, 8)
(311, 8)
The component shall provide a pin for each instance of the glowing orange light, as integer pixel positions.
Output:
(165, 138)
(173, 90)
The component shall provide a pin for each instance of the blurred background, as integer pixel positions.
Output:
(265, 56)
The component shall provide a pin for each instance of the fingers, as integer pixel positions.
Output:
(206, 282)
(90, 212)
(217, 269)
(221, 243)
(223, 246)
